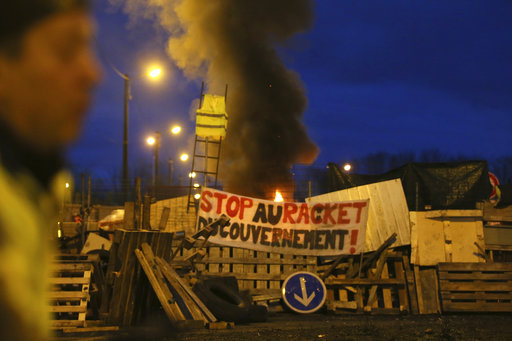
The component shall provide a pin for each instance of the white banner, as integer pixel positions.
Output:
(319, 229)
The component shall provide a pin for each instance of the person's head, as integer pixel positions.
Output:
(47, 69)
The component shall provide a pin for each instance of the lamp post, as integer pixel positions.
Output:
(124, 184)
(153, 73)
(155, 142)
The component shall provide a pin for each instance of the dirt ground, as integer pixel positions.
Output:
(294, 327)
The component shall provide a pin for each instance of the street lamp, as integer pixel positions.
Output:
(347, 167)
(154, 73)
(155, 142)
(175, 130)
(184, 157)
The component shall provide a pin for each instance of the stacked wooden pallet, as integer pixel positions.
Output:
(475, 287)
(70, 293)
(127, 297)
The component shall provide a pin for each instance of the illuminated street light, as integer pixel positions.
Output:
(197, 196)
(154, 141)
(192, 175)
(150, 140)
(347, 167)
(67, 184)
(155, 73)
(184, 157)
(175, 130)
(196, 185)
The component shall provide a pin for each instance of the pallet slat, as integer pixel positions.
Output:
(476, 287)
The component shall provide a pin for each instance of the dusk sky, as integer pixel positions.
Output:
(392, 76)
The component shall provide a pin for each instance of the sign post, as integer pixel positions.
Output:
(304, 292)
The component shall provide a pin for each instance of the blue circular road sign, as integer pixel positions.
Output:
(304, 292)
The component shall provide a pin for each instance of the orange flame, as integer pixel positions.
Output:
(278, 197)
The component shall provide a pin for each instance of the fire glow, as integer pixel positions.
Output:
(278, 197)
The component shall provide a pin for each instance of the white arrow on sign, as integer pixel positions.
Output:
(305, 300)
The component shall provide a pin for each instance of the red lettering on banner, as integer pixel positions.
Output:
(327, 214)
(317, 208)
(342, 213)
(246, 203)
(289, 209)
(304, 212)
(232, 212)
(220, 197)
(359, 206)
(205, 204)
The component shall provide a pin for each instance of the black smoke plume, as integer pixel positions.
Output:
(234, 42)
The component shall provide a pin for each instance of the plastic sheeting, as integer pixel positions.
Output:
(428, 186)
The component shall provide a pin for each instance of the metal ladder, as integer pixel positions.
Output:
(205, 154)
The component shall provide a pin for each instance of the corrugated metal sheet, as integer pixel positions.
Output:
(388, 212)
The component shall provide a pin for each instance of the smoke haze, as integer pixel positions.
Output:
(233, 42)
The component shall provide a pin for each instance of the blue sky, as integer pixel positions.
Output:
(390, 76)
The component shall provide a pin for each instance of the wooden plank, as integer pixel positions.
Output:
(163, 218)
(253, 260)
(474, 307)
(364, 281)
(106, 293)
(85, 289)
(169, 271)
(69, 280)
(274, 270)
(475, 286)
(403, 301)
(68, 295)
(448, 295)
(262, 274)
(454, 214)
(67, 309)
(497, 247)
(467, 233)
(418, 288)
(477, 275)
(430, 241)
(373, 290)
(386, 293)
(239, 267)
(411, 288)
(131, 279)
(427, 290)
(162, 292)
(172, 277)
(72, 330)
(474, 266)
(214, 252)
(55, 324)
(128, 276)
(124, 252)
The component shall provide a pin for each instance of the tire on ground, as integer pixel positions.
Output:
(226, 303)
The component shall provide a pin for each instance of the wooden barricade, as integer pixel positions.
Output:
(262, 273)
(127, 296)
(475, 287)
(70, 294)
(382, 289)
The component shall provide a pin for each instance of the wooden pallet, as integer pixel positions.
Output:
(382, 289)
(475, 287)
(261, 273)
(127, 296)
(69, 296)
